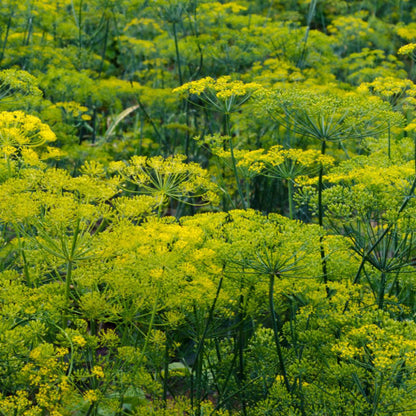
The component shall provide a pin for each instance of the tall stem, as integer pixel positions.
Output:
(240, 352)
(149, 330)
(68, 283)
(320, 217)
(178, 56)
(6, 36)
(247, 181)
(107, 28)
(233, 161)
(80, 33)
(414, 143)
(384, 233)
(68, 280)
(69, 268)
(166, 370)
(290, 196)
(276, 332)
(187, 135)
(22, 255)
(311, 13)
(388, 141)
(381, 291)
(199, 352)
(160, 209)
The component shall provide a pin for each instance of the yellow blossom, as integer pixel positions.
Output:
(407, 49)
(21, 130)
(223, 94)
(79, 340)
(91, 396)
(97, 371)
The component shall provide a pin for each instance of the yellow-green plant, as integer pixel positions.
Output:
(167, 179)
(225, 96)
(289, 164)
(13, 81)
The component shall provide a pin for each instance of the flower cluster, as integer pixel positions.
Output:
(290, 163)
(13, 81)
(19, 130)
(166, 179)
(407, 49)
(223, 94)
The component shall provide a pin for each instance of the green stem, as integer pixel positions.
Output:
(160, 210)
(385, 232)
(149, 330)
(198, 354)
(247, 181)
(22, 255)
(311, 13)
(6, 36)
(166, 369)
(150, 120)
(388, 141)
(68, 282)
(240, 351)
(69, 268)
(290, 187)
(320, 187)
(233, 161)
(198, 382)
(320, 218)
(80, 33)
(68, 279)
(377, 394)
(381, 291)
(9, 168)
(414, 142)
(187, 135)
(107, 27)
(178, 57)
(276, 333)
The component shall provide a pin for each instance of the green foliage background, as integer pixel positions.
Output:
(207, 207)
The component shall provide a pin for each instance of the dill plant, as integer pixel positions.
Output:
(225, 96)
(166, 179)
(112, 307)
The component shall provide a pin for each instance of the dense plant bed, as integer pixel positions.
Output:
(207, 208)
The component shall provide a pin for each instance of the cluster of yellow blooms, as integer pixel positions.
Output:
(223, 94)
(14, 81)
(19, 130)
(395, 90)
(277, 162)
(291, 163)
(169, 178)
(407, 49)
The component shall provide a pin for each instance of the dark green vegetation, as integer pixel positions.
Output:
(207, 208)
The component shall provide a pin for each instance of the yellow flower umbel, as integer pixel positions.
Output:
(166, 179)
(14, 81)
(398, 92)
(225, 96)
(222, 94)
(408, 50)
(289, 164)
(20, 130)
(248, 166)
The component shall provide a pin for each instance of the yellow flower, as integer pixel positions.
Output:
(407, 49)
(97, 371)
(169, 178)
(79, 340)
(223, 94)
(22, 130)
(91, 396)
